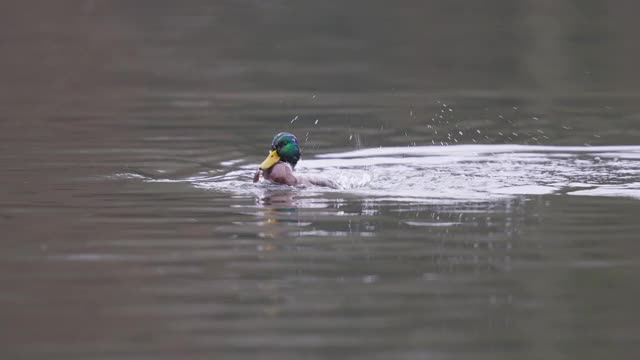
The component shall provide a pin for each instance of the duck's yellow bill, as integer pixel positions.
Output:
(271, 160)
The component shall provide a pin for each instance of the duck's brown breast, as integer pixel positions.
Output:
(281, 173)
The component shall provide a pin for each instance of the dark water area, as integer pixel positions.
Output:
(488, 155)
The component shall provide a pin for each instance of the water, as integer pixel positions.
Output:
(488, 159)
(457, 173)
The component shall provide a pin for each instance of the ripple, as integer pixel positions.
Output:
(448, 174)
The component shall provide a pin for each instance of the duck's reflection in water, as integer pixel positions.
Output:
(279, 200)
(281, 213)
(296, 213)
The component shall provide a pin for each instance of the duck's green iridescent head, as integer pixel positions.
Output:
(284, 147)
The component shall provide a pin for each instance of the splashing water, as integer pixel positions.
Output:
(459, 173)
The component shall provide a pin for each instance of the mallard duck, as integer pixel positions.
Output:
(279, 165)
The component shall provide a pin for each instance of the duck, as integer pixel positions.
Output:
(281, 161)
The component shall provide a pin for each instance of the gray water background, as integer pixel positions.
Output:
(117, 120)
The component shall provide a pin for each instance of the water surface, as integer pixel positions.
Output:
(488, 157)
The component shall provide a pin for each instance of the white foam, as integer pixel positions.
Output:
(462, 172)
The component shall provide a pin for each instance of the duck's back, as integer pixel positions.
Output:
(317, 180)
